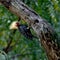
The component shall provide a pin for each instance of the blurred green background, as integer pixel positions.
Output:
(22, 48)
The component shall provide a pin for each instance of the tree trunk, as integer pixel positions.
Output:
(42, 28)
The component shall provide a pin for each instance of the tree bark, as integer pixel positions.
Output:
(42, 28)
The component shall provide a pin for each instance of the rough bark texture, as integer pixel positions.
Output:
(42, 28)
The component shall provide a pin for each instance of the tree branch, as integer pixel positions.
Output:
(42, 28)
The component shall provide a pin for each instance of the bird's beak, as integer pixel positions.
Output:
(13, 25)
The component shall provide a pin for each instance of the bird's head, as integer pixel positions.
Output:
(14, 25)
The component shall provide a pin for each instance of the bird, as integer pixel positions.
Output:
(23, 29)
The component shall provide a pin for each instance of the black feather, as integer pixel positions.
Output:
(24, 30)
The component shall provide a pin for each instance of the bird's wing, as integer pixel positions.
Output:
(26, 32)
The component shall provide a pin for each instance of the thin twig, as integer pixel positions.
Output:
(6, 49)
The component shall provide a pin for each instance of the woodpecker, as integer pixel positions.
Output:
(23, 29)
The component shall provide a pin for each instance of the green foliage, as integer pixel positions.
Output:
(27, 49)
